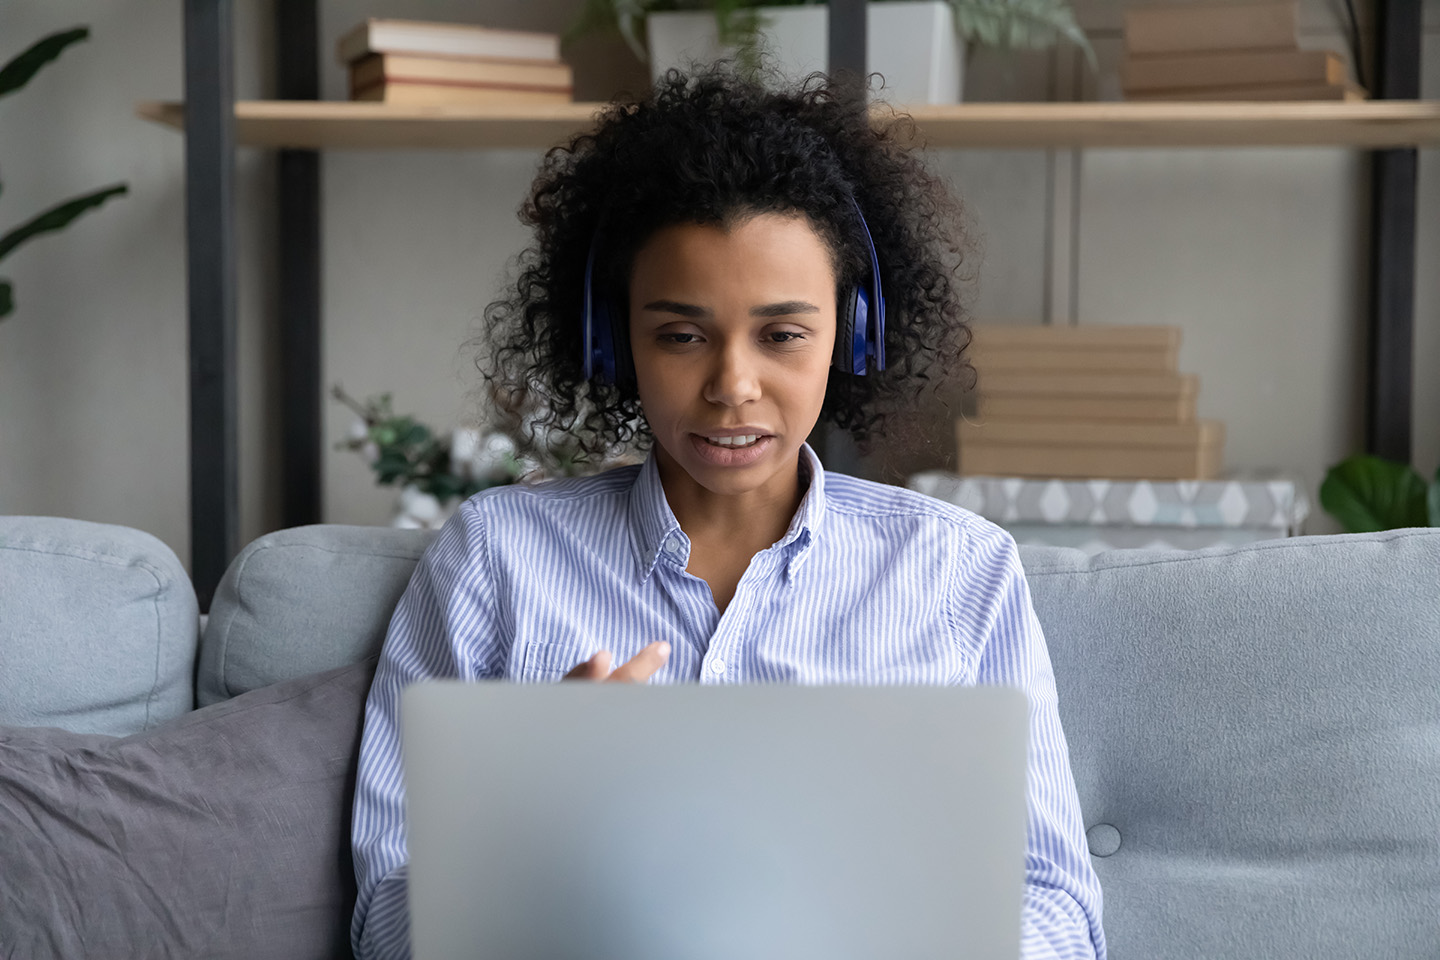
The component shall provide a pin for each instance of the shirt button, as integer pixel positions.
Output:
(674, 547)
(717, 665)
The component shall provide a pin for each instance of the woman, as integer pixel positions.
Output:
(716, 270)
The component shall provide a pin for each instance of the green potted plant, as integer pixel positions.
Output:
(919, 46)
(1367, 493)
(13, 76)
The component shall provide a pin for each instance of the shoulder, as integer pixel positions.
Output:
(884, 504)
(968, 550)
(525, 513)
(557, 496)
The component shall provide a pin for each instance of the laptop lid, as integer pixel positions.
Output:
(576, 820)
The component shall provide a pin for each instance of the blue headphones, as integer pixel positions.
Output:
(859, 333)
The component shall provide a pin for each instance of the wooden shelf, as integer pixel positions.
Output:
(320, 125)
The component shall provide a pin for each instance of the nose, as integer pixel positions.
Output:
(733, 378)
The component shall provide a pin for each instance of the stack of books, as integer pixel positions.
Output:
(414, 62)
(1091, 402)
(1204, 51)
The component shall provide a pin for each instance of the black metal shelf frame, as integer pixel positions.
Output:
(210, 245)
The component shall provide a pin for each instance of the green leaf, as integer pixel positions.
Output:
(1433, 501)
(18, 71)
(7, 299)
(57, 218)
(444, 486)
(1020, 24)
(1367, 493)
(390, 467)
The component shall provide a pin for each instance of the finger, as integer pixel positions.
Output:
(596, 668)
(643, 665)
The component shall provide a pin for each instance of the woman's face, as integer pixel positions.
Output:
(732, 333)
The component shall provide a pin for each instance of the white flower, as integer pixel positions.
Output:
(463, 445)
(423, 507)
(359, 430)
(490, 457)
(416, 510)
(370, 452)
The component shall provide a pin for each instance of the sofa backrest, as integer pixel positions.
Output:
(98, 625)
(1254, 730)
(1255, 736)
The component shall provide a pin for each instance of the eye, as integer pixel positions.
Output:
(679, 338)
(785, 336)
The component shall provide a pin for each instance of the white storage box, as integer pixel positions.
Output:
(1095, 515)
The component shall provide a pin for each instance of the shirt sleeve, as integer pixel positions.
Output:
(445, 626)
(1062, 907)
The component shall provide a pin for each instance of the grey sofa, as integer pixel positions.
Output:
(1255, 734)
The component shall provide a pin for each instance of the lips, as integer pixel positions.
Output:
(731, 449)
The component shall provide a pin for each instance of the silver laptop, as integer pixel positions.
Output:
(583, 821)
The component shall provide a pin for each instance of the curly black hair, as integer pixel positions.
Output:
(715, 148)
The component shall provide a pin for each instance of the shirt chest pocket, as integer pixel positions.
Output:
(541, 662)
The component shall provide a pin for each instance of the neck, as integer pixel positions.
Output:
(756, 518)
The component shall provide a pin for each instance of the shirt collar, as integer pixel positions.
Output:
(656, 536)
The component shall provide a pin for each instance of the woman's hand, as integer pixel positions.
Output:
(638, 670)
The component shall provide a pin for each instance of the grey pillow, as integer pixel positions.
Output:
(301, 600)
(224, 833)
(98, 627)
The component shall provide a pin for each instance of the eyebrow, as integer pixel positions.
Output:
(783, 309)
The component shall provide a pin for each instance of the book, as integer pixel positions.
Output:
(1066, 434)
(1121, 463)
(406, 68)
(1018, 349)
(1163, 398)
(1179, 27)
(1179, 409)
(1233, 69)
(987, 360)
(1086, 337)
(1163, 387)
(1266, 91)
(377, 35)
(440, 93)
(1088, 450)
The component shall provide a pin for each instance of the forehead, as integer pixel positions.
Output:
(763, 247)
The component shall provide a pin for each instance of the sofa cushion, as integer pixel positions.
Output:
(1255, 736)
(222, 834)
(302, 600)
(99, 629)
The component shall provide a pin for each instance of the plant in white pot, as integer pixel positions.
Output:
(919, 46)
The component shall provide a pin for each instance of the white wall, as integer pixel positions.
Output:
(93, 383)
(1258, 254)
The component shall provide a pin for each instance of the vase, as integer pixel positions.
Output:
(911, 43)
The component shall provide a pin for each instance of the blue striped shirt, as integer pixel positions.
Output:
(871, 584)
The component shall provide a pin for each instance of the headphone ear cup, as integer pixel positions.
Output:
(843, 359)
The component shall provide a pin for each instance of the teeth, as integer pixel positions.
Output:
(734, 441)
